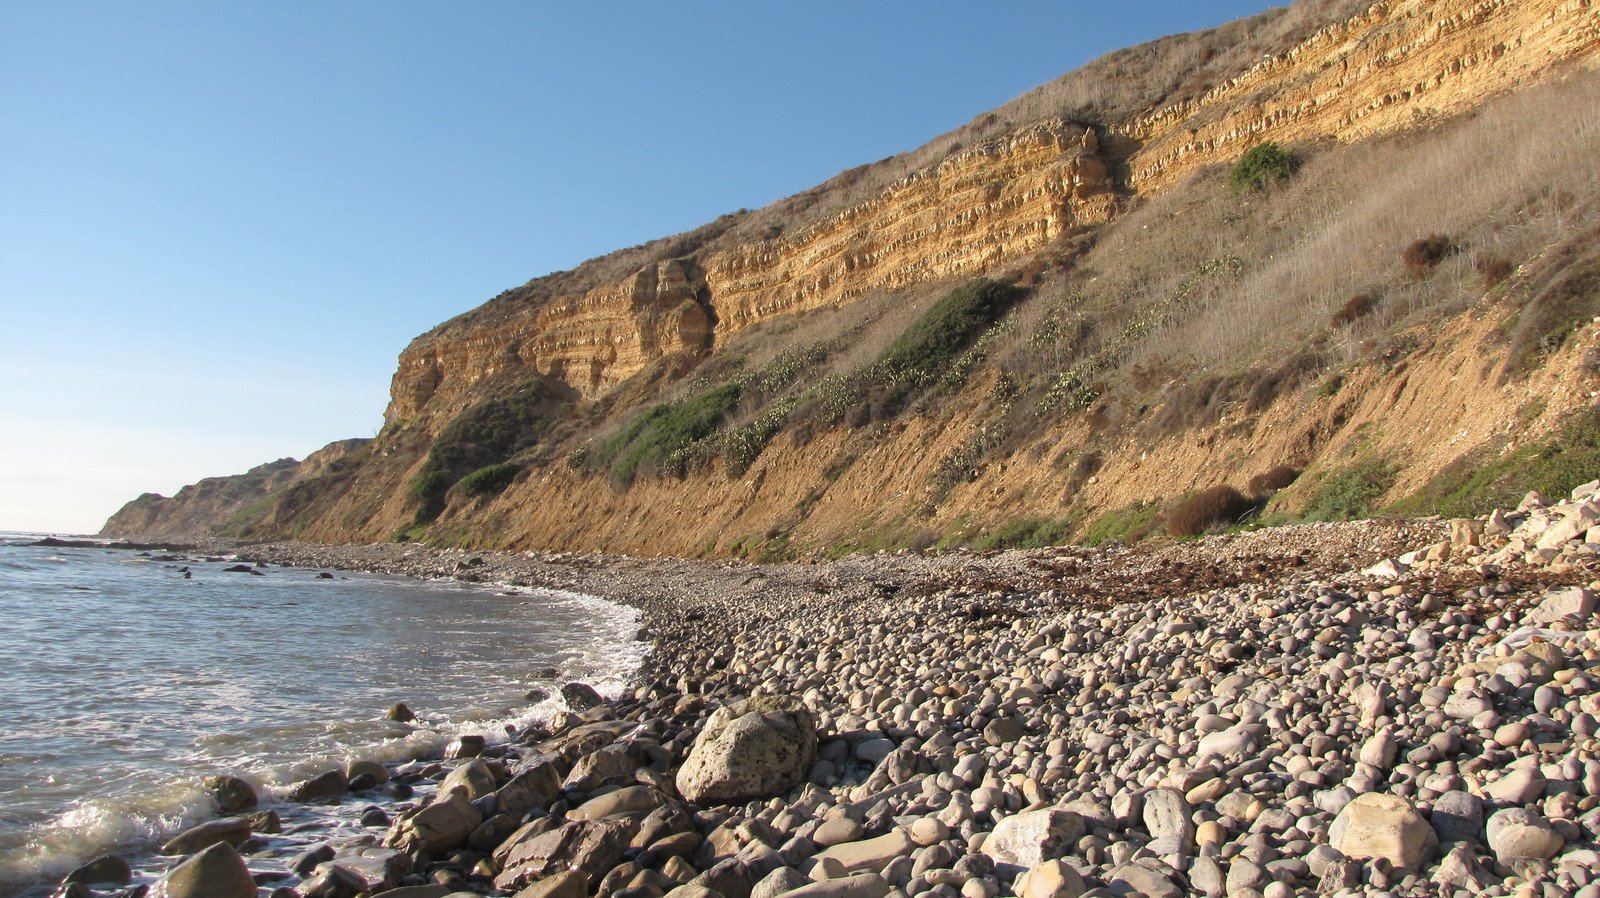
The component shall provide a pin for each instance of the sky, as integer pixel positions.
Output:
(221, 222)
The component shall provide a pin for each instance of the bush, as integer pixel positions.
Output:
(1206, 509)
(657, 439)
(489, 479)
(1128, 524)
(1265, 164)
(932, 342)
(1494, 269)
(485, 434)
(1271, 480)
(1355, 309)
(1351, 493)
(1425, 253)
(1480, 482)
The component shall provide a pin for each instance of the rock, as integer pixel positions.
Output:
(473, 779)
(264, 822)
(399, 713)
(231, 794)
(1052, 879)
(1027, 840)
(1139, 878)
(1457, 817)
(537, 785)
(378, 773)
(597, 767)
(867, 854)
(863, 885)
(565, 884)
(439, 827)
(1002, 731)
(108, 868)
(1574, 603)
(216, 872)
(1168, 819)
(468, 745)
(1520, 786)
(431, 891)
(781, 881)
(838, 831)
(1383, 826)
(632, 800)
(589, 847)
(233, 830)
(581, 696)
(1518, 834)
(330, 786)
(748, 750)
(1459, 869)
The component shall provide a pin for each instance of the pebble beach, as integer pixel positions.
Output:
(1368, 708)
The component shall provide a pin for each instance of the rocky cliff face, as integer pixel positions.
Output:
(201, 508)
(609, 329)
(1394, 65)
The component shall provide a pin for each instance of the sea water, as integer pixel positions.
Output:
(123, 683)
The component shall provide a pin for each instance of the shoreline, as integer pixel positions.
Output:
(1205, 717)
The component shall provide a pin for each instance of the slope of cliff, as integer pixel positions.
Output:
(826, 373)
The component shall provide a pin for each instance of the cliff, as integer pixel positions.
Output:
(1057, 192)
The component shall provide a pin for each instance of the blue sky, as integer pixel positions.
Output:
(221, 222)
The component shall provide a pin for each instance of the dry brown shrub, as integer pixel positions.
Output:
(1424, 254)
(1271, 480)
(1206, 509)
(1495, 269)
(1354, 309)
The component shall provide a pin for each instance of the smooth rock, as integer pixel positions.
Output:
(216, 872)
(1383, 826)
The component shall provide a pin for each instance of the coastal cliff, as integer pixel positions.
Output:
(1142, 283)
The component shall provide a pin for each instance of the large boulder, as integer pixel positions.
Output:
(474, 777)
(1387, 826)
(1518, 834)
(748, 750)
(231, 794)
(538, 784)
(1029, 839)
(439, 827)
(217, 872)
(588, 847)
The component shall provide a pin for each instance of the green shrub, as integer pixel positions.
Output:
(485, 434)
(1351, 493)
(1481, 482)
(1206, 509)
(932, 342)
(656, 441)
(1028, 533)
(1128, 524)
(1266, 163)
(489, 479)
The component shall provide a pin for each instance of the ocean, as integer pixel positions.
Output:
(122, 684)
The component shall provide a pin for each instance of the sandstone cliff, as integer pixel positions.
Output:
(1039, 193)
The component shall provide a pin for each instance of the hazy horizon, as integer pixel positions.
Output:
(223, 224)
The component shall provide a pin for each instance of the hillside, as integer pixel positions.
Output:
(1056, 322)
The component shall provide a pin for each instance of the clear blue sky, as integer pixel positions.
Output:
(221, 222)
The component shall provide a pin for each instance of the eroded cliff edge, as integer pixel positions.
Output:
(1040, 193)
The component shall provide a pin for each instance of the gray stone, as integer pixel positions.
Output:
(752, 749)
(1521, 834)
(216, 872)
(233, 830)
(1026, 840)
(1457, 817)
